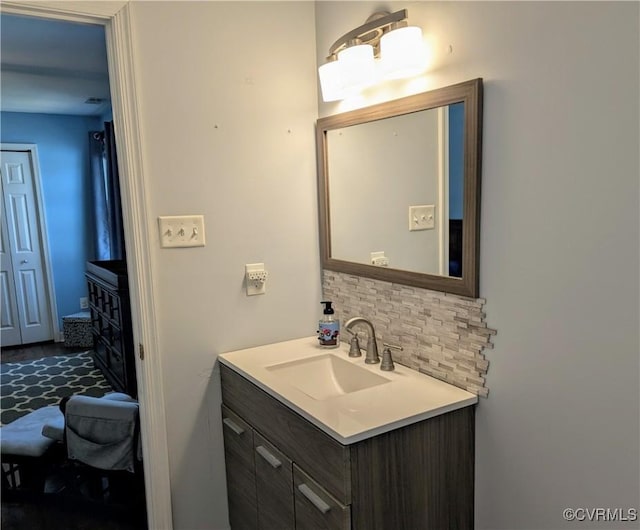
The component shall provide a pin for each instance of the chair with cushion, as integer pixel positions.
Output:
(100, 433)
(102, 442)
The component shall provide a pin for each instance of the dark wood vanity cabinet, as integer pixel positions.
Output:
(259, 478)
(113, 351)
(274, 486)
(415, 477)
(241, 472)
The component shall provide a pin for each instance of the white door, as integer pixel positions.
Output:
(9, 323)
(26, 313)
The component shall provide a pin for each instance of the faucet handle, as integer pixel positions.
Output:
(387, 361)
(354, 345)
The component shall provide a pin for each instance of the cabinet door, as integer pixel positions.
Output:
(240, 467)
(274, 486)
(315, 508)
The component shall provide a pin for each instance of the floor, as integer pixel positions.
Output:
(60, 513)
(16, 354)
(68, 503)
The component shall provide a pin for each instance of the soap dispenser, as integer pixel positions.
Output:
(328, 327)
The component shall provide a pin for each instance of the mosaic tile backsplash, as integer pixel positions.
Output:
(442, 335)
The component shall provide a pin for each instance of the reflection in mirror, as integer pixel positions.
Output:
(399, 189)
(414, 160)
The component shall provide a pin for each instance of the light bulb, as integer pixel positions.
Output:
(357, 66)
(403, 53)
(331, 82)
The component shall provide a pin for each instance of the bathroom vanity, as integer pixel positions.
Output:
(315, 439)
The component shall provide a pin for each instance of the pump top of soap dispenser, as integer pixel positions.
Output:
(328, 310)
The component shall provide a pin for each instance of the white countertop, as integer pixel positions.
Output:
(407, 397)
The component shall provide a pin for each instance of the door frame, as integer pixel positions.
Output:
(32, 149)
(115, 16)
(442, 213)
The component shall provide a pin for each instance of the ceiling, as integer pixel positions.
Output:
(52, 67)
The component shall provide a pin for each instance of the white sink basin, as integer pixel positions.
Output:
(326, 376)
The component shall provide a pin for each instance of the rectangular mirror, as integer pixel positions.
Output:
(399, 189)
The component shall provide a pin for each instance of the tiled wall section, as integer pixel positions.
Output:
(443, 335)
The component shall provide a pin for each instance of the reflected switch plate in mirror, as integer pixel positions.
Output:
(422, 217)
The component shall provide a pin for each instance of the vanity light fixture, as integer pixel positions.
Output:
(384, 47)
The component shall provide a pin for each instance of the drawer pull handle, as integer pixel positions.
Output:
(271, 460)
(233, 426)
(314, 498)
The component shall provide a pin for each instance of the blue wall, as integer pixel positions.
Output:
(63, 149)
(456, 160)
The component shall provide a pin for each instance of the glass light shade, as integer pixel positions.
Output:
(402, 53)
(358, 66)
(331, 82)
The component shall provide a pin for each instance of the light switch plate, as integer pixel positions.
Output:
(181, 231)
(422, 217)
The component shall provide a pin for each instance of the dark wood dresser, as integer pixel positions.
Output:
(113, 350)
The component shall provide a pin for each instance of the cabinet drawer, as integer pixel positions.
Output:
(95, 294)
(316, 509)
(274, 486)
(117, 364)
(100, 350)
(240, 470)
(320, 455)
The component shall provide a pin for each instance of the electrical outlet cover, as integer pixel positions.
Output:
(255, 278)
(379, 259)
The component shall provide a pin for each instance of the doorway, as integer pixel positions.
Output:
(115, 17)
(21, 208)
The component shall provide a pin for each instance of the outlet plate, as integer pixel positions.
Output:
(84, 303)
(181, 231)
(422, 217)
(255, 278)
(379, 259)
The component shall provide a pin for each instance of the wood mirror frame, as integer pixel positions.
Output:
(469, 93)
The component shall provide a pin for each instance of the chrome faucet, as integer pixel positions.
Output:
(372, 345)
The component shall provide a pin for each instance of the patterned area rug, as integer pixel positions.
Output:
(30, 385)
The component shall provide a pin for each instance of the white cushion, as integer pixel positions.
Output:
(24, 436)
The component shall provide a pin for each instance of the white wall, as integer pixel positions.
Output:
(559, 247)
(227, 95)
